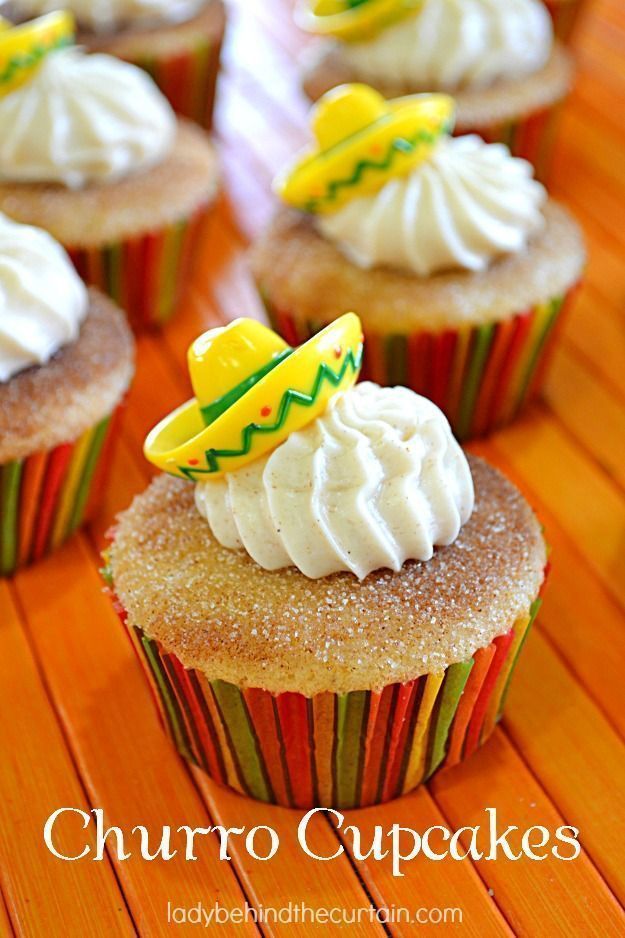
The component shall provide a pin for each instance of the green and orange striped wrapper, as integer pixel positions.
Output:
(188, 79)
(145, 275)
(564, 14)
(480, 376)
(341, 750)
(45, 497)
(531, 138)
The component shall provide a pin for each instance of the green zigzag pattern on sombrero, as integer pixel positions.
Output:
(32, 58)
(399, 145)
(290, 397)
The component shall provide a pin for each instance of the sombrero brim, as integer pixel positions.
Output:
(285, 400)
(323, 181)
(356, 23)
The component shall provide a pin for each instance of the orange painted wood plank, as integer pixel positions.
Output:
(598, 337)
(123, 757)
(547, 897)
(6, 927)
(576, 397)
(586, 504)
(579, 614)
(38, 777)
(551, 716)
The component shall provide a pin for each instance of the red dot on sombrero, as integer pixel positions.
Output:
(193, 462)
(338, 351)
(376, 148)
(265, 411)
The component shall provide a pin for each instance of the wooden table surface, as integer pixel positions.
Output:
(77, 724)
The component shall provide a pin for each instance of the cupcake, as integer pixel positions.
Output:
(327, 596)
(565, 15)
(498, 60)
(91, 151)
(453, 256)
(177, 41)
(66, 360)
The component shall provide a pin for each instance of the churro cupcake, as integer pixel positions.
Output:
(66, 360)
(177, 41)
(453, 256)
(91, 151)
(565, 15)
(329, 599)
(498, 60)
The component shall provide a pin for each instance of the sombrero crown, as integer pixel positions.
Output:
(353, 20)
(362, 141)
(23, 47)
(252, 391)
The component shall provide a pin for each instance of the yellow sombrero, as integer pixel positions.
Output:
(352, 20)
(362, 141)
(23, 47)
(251, 391)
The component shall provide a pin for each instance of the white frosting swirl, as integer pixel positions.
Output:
(469, 203)
(42, 299)
(83, 119)
(451, 44)
(105, 16)
(378, 479)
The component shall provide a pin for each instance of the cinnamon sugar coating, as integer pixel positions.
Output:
(484, 107)
(220, 612)
(55, 403)
(164, 39)
(104, 214)
(302, 272)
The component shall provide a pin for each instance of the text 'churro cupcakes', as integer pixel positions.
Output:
(66, 360)
(453, 256)
(329, 599)
(91, 151)
(497, 59)
(178, 42)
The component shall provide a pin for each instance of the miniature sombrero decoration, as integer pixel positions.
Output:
(362, 141)
(251, 391)
(352, 20)
(23, 47)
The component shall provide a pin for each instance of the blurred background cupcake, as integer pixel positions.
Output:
(91, 151)
(177, 41)
(453, 256)
(66, 360)
(566, 15)
(498, 60)
(330, 600)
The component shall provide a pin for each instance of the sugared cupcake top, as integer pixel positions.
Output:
(436, 44)
(410, 196)
(79, 119)
(42, 299)
(103, 16)
(365, 478)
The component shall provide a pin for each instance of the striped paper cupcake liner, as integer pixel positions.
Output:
(531, 138)
(480, 376)
(564, 14)
(47, 496)
(188, 79)
(145, 275)
(341, 750)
